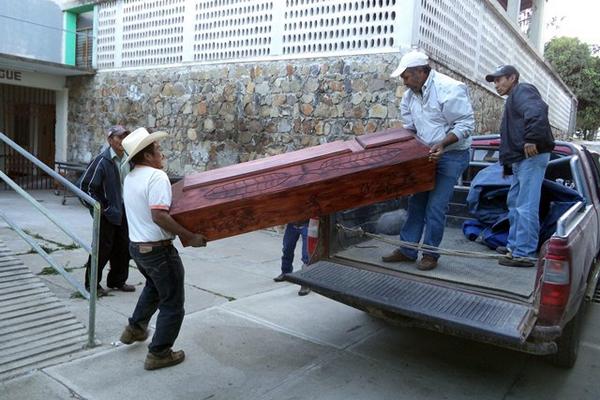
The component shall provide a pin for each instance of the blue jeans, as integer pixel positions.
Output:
(290, 238)
(163, 270)
(524, 205)
(427, 210)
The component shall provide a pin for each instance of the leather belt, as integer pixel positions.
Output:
(167, 242)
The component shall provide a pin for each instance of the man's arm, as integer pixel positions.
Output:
(163, 219)
(436, 151)
(91, 181)
(407, 120)
(458, 111)
(535, 116)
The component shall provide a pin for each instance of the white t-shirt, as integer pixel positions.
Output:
(146, 188)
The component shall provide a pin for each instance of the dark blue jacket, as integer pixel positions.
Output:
(101, 180)
(525, 120)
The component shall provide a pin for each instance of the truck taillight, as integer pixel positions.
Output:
(312, 237)
(556, 283)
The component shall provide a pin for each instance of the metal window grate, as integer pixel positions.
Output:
(152, 32)
(324, 26)
(232, 29)
(105, 42)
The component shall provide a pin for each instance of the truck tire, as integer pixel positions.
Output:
(568, 342)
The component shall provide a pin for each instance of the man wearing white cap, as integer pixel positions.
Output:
(438, 110)
(147, 195)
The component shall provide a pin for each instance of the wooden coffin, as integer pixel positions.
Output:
(300, 184)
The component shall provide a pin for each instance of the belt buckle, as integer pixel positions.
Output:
(143, 249)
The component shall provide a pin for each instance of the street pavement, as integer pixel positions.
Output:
(247, 337)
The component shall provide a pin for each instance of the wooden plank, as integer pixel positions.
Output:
(384, 138)
(381, 167)
(264, 165)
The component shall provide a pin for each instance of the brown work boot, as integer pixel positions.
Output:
(396, 256)
(164, 359)
(132, 334)
(427, 263)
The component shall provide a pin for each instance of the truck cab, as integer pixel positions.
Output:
(536, 310)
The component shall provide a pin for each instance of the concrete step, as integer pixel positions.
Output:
(30, 321)
(36, 329)
(33, 336)
(42, 344)
(39, 360)
(35, 311)
(44, 329)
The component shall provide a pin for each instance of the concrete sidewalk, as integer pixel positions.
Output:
(232, 306)
(247, 337)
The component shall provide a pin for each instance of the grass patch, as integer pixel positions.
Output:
(47, 249)
(62, 246)
(77, 295)
(52, 271)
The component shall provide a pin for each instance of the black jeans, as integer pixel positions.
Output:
(113, 246)
(163, 270)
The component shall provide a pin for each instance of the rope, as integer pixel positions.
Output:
(419, 246)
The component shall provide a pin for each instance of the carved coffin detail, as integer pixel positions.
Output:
(297, 185)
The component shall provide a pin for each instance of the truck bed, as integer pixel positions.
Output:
(481, 273)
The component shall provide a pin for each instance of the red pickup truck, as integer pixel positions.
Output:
(535, 310)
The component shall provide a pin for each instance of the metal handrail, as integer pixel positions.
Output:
(92, 250)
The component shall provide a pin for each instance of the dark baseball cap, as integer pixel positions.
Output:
(117, 130)
(503, 70)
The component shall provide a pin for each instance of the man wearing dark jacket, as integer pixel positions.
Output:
(103, 180)
(526, 144)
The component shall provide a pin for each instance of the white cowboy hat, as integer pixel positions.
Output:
(413, 58)
(137, 140)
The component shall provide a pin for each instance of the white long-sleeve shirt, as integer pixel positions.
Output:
(443, 107)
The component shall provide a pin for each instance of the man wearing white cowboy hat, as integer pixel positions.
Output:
(437, 108)
(147, 194)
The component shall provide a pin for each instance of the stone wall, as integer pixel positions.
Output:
(218, 115)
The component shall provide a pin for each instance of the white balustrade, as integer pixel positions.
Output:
(471, 37)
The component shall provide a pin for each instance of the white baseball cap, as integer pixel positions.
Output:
(413, 58)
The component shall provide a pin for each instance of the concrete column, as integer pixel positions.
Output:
(406, 30)
(119, 34)
(95, 37)
(276, 48)
(188, 31)
(60, 130)
(513, 9)
(536, 24)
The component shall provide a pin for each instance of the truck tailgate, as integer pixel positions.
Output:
(458, 310)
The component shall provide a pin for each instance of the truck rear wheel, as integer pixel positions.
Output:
(568, 342)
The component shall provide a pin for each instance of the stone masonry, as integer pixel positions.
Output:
(218, 115)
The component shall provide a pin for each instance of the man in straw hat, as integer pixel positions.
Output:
(147, 195)
(437, 108)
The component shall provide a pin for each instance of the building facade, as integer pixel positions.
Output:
(233, 80)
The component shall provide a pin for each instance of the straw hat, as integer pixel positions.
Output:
(137, 140)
